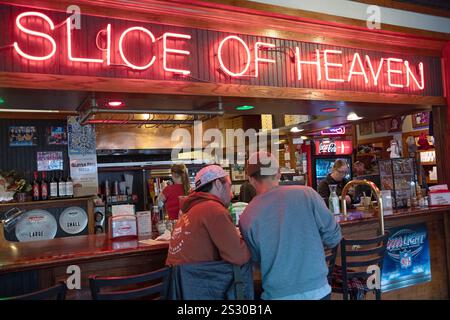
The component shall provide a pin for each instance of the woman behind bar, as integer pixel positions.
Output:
(336, 177)
(170, 194)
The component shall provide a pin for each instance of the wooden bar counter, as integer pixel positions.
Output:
(39, 264)
(362, 224)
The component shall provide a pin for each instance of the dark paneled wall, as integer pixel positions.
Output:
(23, 159)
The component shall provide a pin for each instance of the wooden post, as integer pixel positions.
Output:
(441, 118)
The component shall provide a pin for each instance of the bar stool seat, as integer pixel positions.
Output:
(145, 285)
(57, 292)
(350, 279)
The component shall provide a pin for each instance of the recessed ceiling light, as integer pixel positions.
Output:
(2, 101)
(146, 116)
(331, 109)
(115, 103)
(244, 108)
(353, 117)
(304, 137)
(296, 129)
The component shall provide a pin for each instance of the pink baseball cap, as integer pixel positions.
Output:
(208, 174)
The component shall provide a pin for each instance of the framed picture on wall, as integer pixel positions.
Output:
(238, 173)
(22, 136)
(50, 161)
(365, 128)
(380, 126)
(395, 124)
(56, 135)
(420, 119)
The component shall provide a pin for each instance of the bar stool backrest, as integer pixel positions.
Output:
(357, 255)
(57, 292)
(330, 258)
(148, 284)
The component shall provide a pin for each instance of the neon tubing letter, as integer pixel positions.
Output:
(69, 47)
(300, 62)
(329, 64)
(409, 74)
(374, 75)
(352, 67)
(122, 54)
(258, 58)
(35, 33)
(222, 65)
(167, 50)
(391, 71)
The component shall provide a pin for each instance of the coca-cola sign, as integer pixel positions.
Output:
(334, 147)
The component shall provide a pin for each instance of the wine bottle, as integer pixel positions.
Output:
(44, 187)
(36, 188)
(54, 187)
(62, 186)
(69, 187)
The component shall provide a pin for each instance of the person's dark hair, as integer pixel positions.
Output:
(207, 187)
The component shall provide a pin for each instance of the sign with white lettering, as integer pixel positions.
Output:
(407, 258)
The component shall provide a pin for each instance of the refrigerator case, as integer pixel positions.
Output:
(400, 176)
(323, 155)
(322, 165)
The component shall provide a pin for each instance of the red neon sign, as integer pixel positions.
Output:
(395, 72)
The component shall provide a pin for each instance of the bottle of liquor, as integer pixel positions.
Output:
(54, 187)
(333, 200)
(36, 188)
(62, 186)
(44, 187)
(69, 187)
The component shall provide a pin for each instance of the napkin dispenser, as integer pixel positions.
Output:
(123, 226)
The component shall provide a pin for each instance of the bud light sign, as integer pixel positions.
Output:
(407, 258)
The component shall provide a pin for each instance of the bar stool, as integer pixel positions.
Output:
(57, 292)
(149, 284)
(355, 261)
(330, 258)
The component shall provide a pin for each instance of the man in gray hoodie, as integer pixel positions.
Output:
(286, 228)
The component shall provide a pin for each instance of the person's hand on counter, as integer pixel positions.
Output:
(348, 200)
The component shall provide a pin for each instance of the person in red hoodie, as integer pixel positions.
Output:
(205, 231)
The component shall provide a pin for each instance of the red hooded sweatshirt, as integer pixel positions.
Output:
(205, 232)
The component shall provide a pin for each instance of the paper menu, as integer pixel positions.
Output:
(122, 210)
(144, 222)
